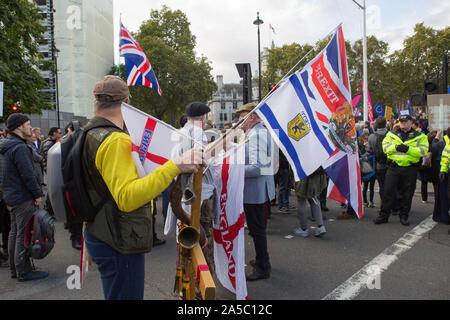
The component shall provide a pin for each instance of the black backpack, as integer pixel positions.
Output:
(40, 234)
(77, 203)
(380, 156)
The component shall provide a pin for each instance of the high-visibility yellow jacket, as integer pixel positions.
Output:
(416, 141)
(445, 159)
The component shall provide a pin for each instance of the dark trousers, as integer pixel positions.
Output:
(254, 213)
(122, 275)
(19, 260)
(403, 178)
(283, 188)
(5, 225)
(369, 184)
(424, 189)
(381, 176)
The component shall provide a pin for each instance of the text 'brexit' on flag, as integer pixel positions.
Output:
(311, 118)
(139, 69)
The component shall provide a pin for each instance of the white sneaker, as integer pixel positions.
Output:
(320, 231)
(301, 233)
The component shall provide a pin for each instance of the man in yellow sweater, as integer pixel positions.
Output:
(121, 233)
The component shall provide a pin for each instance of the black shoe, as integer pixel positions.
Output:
(404, 220)
(324, 207)
(33, 275)
(258, 274)
(158, 242)
(4, 263)
(381, 220)
(76, 244)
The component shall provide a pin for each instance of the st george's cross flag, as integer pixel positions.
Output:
(153, 141)
(228, 172)
(311, 119)
(139, 69)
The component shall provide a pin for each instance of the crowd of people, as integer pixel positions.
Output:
(392, 153)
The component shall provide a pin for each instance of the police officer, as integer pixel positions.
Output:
(404, 147)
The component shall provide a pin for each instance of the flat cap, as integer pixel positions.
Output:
(197, 109)
(111, 89)
(405, 117)
(247, 107)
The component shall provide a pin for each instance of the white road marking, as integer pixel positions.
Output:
(358, 282)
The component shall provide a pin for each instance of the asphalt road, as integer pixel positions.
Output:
(410, 262)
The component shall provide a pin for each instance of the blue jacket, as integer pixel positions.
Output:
(19, 182)
(259, 182)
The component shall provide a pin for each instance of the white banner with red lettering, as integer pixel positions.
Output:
(153, 141)
(228, 173)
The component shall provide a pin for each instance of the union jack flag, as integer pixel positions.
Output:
(139, 69)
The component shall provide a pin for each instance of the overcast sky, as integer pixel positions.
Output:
(226, 35)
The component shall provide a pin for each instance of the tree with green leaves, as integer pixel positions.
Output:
(169, 45)
(20, 31)
(418, 61)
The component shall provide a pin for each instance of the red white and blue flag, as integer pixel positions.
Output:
(139, 69)
(311, 119)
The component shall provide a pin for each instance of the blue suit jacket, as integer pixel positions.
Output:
(259, 181)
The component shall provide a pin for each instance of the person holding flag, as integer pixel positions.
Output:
(121, 233)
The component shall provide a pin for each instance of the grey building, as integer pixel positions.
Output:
(226, 101)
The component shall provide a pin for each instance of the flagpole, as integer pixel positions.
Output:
(242, 121)
(120, 33)
(366, 85)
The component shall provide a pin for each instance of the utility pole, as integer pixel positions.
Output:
(366, 85)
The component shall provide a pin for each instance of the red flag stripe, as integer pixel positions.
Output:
(342, 53)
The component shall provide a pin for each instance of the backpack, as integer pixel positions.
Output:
(77, 203)
(40, 234)
(380, 156)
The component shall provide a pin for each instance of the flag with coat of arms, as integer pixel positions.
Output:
(311, 119)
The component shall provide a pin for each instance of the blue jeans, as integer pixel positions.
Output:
(283, 188)
(122, 276)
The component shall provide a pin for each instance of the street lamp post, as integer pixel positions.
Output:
(257, 22)
(365, 89)
(55, 58)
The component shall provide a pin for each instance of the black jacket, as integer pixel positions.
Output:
(20, 183)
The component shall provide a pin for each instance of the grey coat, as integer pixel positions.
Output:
(259, 182)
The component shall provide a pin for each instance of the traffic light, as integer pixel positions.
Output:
(245, 72)
(431, 86)
(15, 107)
(271, 87)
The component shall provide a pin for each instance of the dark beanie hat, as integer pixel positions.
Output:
(16, 120)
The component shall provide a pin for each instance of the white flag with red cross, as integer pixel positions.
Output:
(154, 142)
(228, 173)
